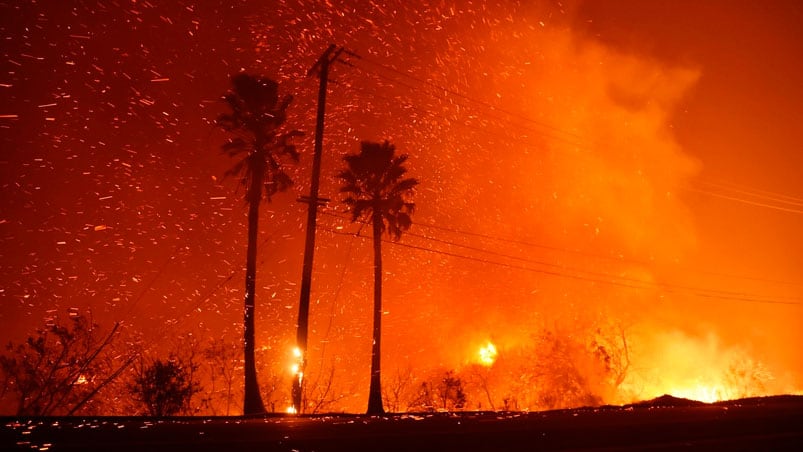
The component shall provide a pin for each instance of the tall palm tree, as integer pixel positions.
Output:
(377, 192)
(255, 120)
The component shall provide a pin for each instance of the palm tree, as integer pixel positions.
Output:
(255, 121)
(376, 191)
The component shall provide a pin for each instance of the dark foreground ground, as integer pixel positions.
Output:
(771, 423)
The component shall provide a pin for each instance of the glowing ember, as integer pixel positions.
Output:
(487, 354)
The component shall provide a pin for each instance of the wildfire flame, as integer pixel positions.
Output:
(702, 393)
(487, 354)
(295, 368)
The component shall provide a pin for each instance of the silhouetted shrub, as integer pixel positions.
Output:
(165, 387)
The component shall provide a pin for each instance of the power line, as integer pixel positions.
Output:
(616, 280)
(489, 237)
(583, 271)
(552, 129)
(526, 139)
(745, 201)
(554, 248)
(759, 193)
(153, 280)
(472, 99)
(184, 315)
(325, 341)
(160, 272)
(752, 196)
(601, 256)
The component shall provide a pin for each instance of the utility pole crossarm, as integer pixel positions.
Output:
(326, 59)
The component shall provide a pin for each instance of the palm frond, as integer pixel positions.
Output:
(257, 115)
(228, 122)
(373, 182)
(235, 146)
(360, 208)
(351, 188)
(403, 187)
(287, 147)
(348, 177)
(260, 95)
(236, 169)
(278, 181)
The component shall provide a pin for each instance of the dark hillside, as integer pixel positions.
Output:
(665, 423)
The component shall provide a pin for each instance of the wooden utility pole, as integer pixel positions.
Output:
(321, 67)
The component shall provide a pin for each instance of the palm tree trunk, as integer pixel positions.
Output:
(375, 390)
(252, 403)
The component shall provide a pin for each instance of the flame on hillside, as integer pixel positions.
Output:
(487, 354)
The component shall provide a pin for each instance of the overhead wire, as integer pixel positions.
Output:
(526, 139)
(473, 100)
(617, 259)
(594, 275)
(564, 140)
(616, 281)
(745, 201)
(758, 193)
(751, 196)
